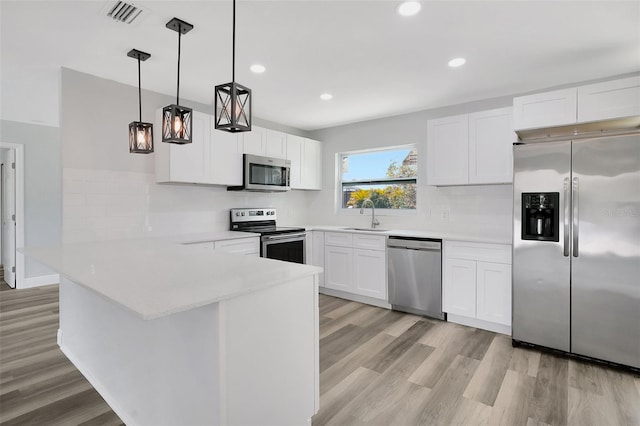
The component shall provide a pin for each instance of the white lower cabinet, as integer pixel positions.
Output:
(369, 267)
(460, 292)
(477, 284)
(338, 273)
(355, 270)
(493, 292)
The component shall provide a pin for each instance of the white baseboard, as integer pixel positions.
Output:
(485, 325)
(40, 281)
(355, 297)
(97, 385)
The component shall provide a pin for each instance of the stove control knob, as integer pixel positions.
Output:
(237, 213)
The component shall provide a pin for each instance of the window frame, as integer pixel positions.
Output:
(379, 211)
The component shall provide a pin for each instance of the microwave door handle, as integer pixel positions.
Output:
(576, 221)
(567, 204)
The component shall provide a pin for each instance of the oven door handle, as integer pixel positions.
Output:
(284, 237)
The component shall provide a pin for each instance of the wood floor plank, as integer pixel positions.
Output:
(445, 397)
(470, 412)
(525, 361)
(477, 344)
(487, 380)
(342, 368)
(551, 391)
(341, 394)
(402, 343)
(512, 405)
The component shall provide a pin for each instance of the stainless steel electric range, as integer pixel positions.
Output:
(276, 242)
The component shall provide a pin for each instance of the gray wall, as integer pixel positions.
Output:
(42, 186)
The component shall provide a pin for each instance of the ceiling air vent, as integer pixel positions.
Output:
(121, 11)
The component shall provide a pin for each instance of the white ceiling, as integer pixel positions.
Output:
(373, 61)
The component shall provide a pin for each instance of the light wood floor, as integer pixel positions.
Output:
(378, 367)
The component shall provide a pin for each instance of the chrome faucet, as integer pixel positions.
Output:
(374, 221)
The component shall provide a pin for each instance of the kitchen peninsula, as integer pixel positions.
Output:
(169, 333)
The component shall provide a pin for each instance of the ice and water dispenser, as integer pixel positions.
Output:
(540, 216)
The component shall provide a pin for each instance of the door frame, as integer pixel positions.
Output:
(20, 270)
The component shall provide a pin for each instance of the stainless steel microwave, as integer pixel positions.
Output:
(264, 174)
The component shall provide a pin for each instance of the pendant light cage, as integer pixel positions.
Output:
(140, 133)
(232, 101)
(233, 107)
(177, 123)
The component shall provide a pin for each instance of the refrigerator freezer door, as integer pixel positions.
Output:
(605, 292)
(541, 273)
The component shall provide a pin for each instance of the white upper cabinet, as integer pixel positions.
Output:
(491, 138)
(213, 157)
(306, 162)
(448, 151)
(226, 158)
(584, 104)
(265, 142)
(294, 154)
(471, 149)
(611, 99)
(312, 164)
(255, 141)
(188, 163)
(276, 144)
(547, 109)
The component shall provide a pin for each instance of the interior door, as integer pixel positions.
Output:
(8, 218)
(605, 292)
(541, 269)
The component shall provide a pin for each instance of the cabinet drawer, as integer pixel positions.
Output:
(340, 239)
(498, 253)
(369, 242)
(240, 246)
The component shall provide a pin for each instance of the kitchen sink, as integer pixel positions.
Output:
(366, 229)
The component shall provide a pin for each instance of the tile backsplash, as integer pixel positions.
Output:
(106, 205)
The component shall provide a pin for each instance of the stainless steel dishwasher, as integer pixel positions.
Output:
(415, 275)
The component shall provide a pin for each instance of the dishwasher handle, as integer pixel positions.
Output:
(414, 244)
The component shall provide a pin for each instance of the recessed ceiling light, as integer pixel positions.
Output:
(326, 96)
(457, 62)
(257, 68)
(409, 8)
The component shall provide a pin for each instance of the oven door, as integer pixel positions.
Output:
(266, 174)
(287, 247)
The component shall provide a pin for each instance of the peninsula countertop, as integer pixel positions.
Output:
(156, 277)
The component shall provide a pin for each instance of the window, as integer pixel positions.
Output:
(387, 177)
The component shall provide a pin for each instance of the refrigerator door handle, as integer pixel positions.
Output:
(567, 203)
(576, 221)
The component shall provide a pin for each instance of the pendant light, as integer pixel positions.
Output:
(232, 106)
(140, 133)
(176, 119)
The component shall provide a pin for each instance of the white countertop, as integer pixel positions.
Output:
(159, 276)
(492, 239)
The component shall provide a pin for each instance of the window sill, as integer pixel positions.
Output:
(379, 212)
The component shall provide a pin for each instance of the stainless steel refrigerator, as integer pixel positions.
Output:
(576, 246)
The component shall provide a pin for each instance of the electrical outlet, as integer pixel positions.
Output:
(445, 214)
(427, 214)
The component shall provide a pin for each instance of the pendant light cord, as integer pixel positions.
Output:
(139, 91)
(178, 85)
(233, 56)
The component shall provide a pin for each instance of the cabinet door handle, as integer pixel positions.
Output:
(567, 204)
(576, 221)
